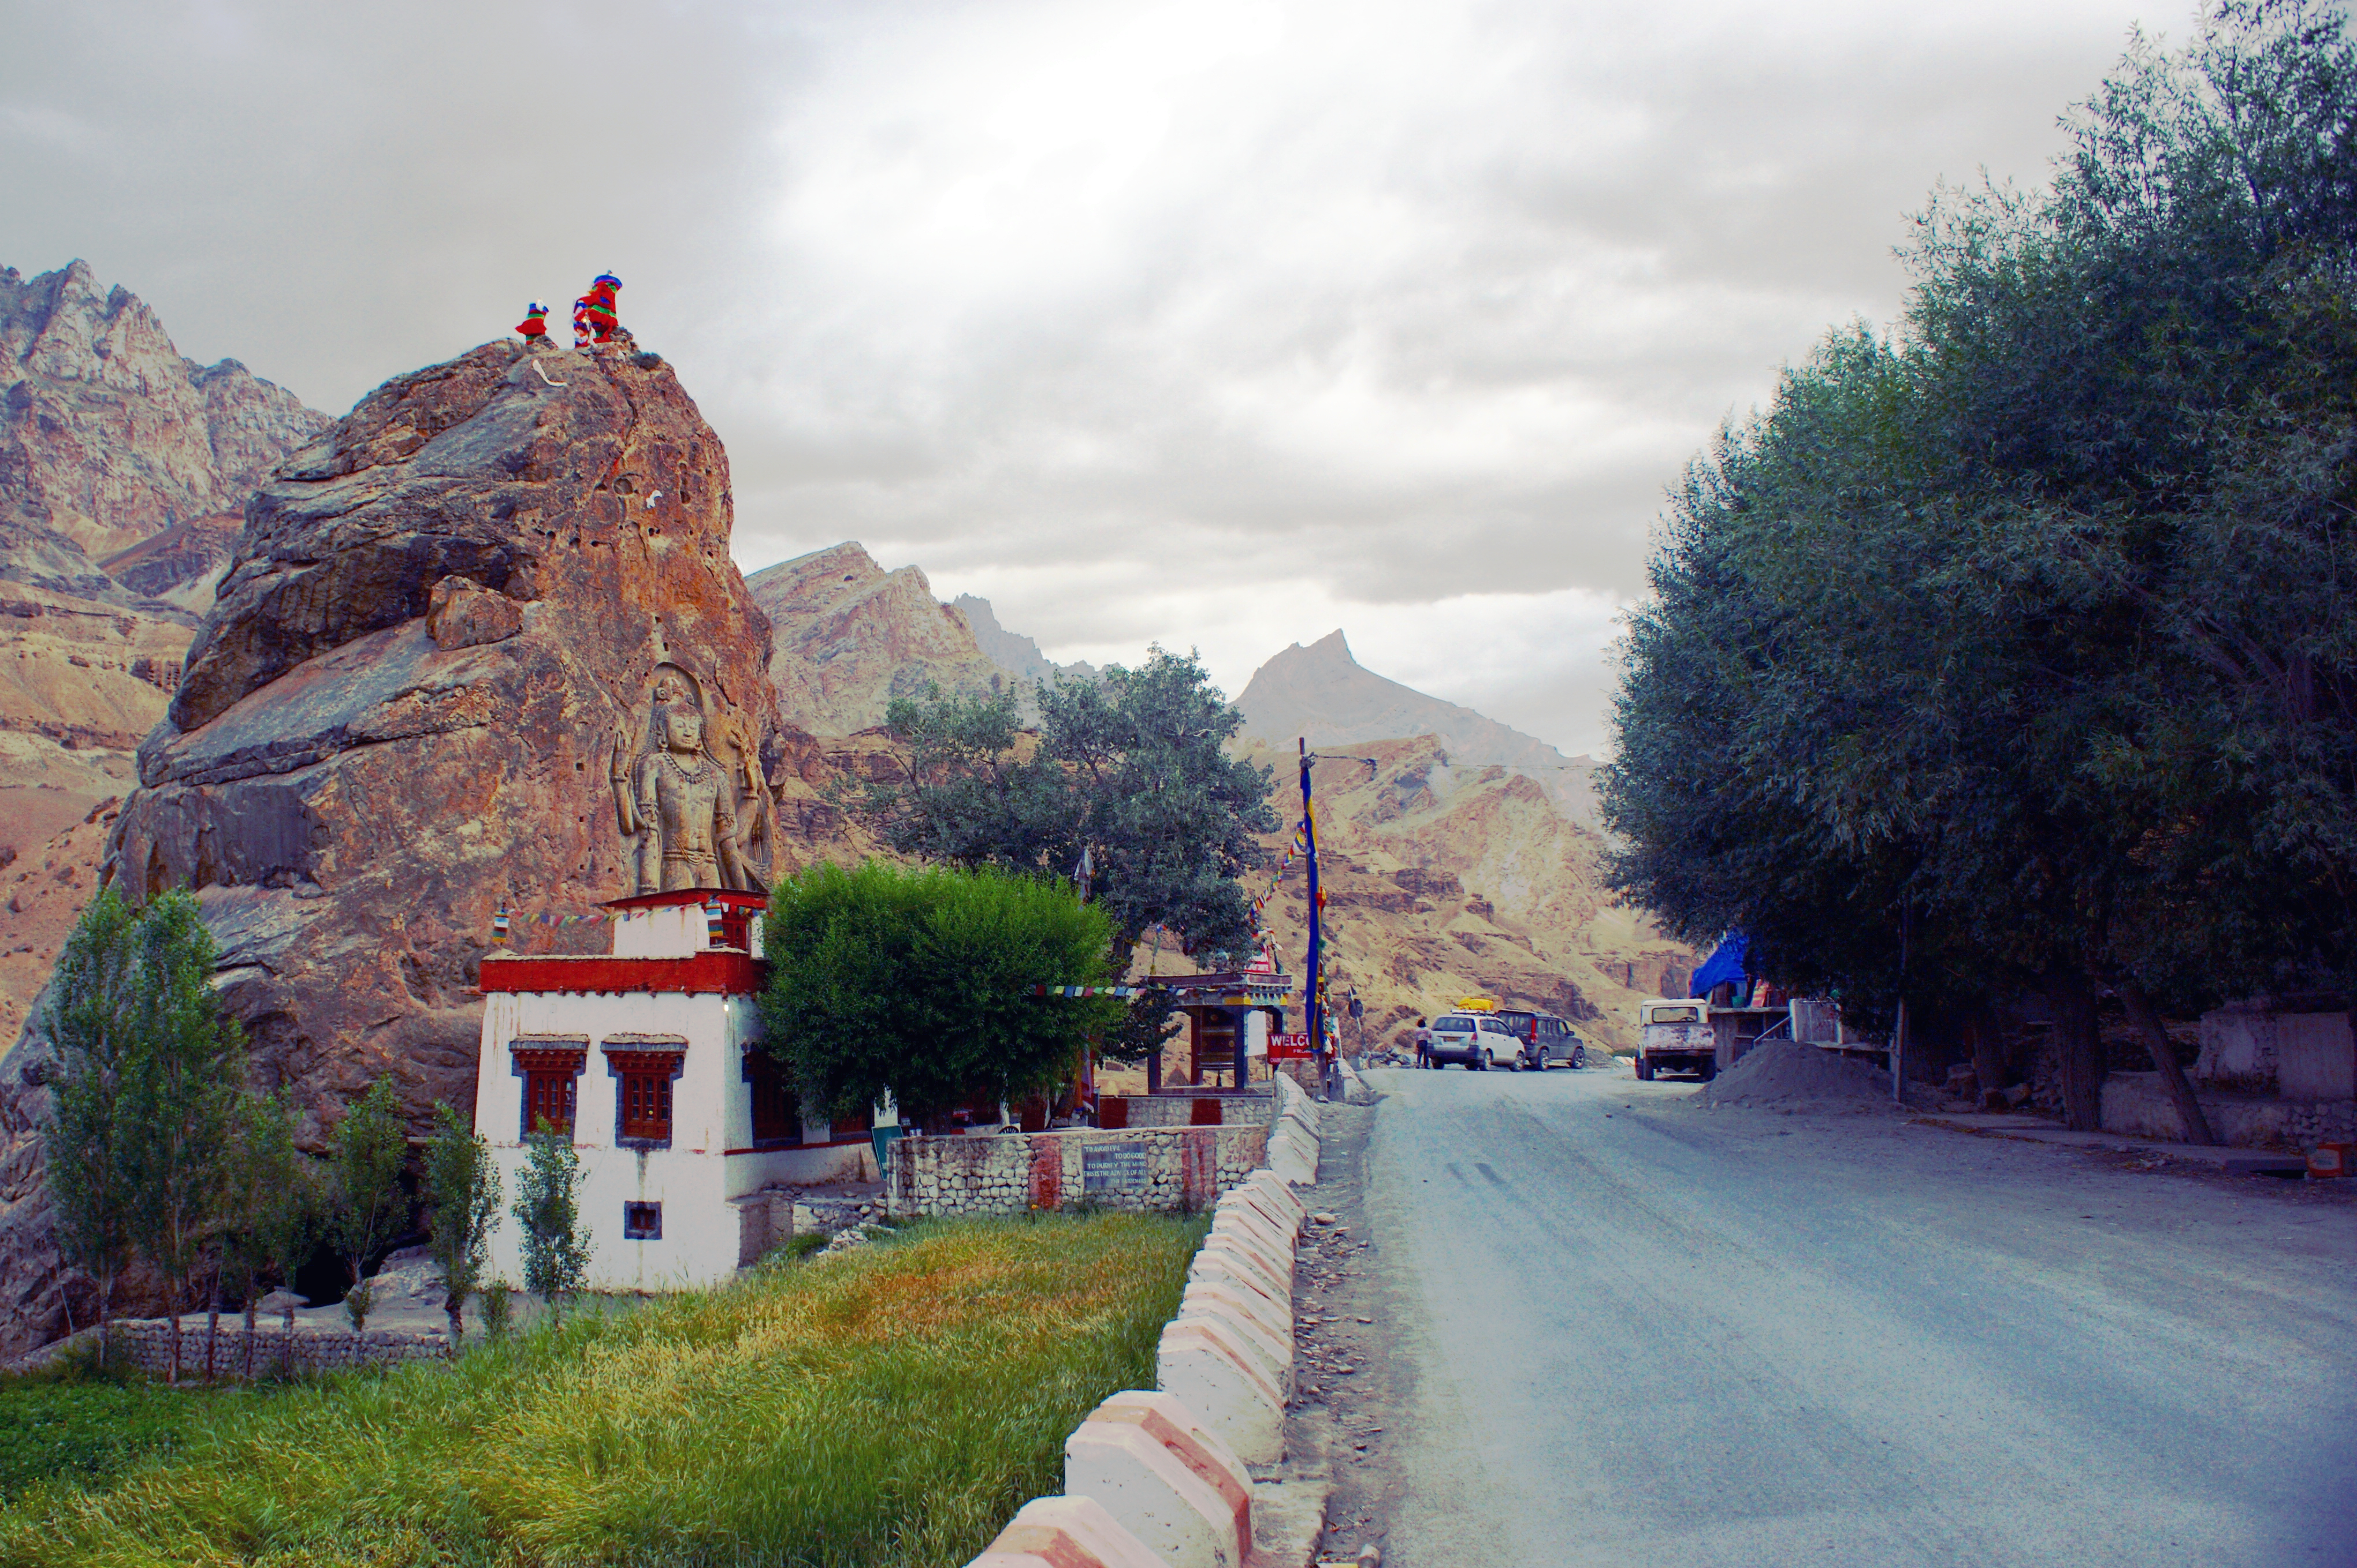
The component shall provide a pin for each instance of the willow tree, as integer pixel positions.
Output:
(2027, 631)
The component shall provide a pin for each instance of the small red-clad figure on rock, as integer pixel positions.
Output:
(594, 317)
(535, 325)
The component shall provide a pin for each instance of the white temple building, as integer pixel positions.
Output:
(648, 1059)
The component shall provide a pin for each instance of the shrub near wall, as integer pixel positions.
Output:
(1184, 1170)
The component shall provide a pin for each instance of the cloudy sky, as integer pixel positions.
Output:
(1220, 323)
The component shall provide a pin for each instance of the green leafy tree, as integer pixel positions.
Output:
(1130, 770)
(2016, 649)
(556, 1244)
(918, 982)
(269, 1207)
(462, 1204)
(181, 1096)
(93, 1027)
(369, 1207)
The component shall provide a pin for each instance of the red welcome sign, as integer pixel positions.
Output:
(1282, 1046)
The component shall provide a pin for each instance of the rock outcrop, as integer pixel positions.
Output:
(445, 621)
(108, 436)
(1323, 694)
(851, 637)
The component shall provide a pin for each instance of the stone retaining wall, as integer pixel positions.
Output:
(146, 1344)
(2136, 1103)
(1165, 1169)
(1177, 1108)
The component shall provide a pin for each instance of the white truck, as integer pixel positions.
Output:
(1676, 1037)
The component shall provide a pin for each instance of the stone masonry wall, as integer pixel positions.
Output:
(1184, 1168)
(146, 1343)
(1169, 1109)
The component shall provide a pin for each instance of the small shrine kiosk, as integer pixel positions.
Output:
(1230, 1017)
(647, 1058)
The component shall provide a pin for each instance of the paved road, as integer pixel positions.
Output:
(1628, 1331)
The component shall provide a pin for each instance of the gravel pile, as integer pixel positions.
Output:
(1794, 1076)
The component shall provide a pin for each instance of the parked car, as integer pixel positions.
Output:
(1675, 1035)
(1475, 1041)
(1544, 1039)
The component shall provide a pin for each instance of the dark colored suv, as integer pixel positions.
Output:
(1544, 1040)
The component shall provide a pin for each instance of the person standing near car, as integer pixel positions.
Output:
(1421, 1038)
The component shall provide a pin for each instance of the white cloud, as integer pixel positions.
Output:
(1219, 323)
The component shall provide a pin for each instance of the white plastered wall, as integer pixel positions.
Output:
(710, 1161)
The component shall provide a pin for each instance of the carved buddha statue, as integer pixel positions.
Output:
(683, 805)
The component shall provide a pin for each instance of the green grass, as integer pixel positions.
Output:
(74, 1424)
(889, 1406)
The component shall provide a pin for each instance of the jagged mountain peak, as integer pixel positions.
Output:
(1322, 694)
(109, 436)
(848, 636)
(1018, 655)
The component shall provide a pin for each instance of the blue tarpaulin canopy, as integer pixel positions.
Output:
(1724, 964)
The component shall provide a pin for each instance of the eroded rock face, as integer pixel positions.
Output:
(851, 637)
(353, 795)
(108, 436)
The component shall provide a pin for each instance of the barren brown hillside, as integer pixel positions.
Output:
(1444, 881)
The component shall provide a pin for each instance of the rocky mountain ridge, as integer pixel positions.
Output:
(1323, 694)
(850, 637)
(1444, 881)
(109, 436)
(125, 470)
(1020, 656)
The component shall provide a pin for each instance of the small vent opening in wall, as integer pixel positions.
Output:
(643, 1223)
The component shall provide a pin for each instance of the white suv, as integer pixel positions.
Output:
(1474, 1040)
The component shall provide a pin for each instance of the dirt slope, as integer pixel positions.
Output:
(1444, 881)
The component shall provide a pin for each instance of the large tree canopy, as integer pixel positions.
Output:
(919, 982)
(1129, 770)
(2027, 631)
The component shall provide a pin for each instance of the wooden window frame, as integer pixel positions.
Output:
(651, 1072)
(643, 1232)
(762, 1071)
(547, 1062)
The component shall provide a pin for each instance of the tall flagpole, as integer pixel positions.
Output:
(1314, 1023)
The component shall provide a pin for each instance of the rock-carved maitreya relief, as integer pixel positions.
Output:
(688, 816)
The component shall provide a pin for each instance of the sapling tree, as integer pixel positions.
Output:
(369, 1207)
(268, 1209)
(556, 1244)
(85, 1145)
(181, 1093)
(462, 1202)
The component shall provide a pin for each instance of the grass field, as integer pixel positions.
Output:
(72, 1426)
(890, 1406)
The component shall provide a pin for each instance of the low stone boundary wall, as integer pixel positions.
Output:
(1159, 1479)
(146, 1343)
(1165, 1169)
(2136, 1103)
(1252, 1108)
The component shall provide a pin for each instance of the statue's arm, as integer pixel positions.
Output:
(724, 823)
(649, 808)
(619, 771)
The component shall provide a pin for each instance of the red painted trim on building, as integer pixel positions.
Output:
(703, 974)
(697, 896)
